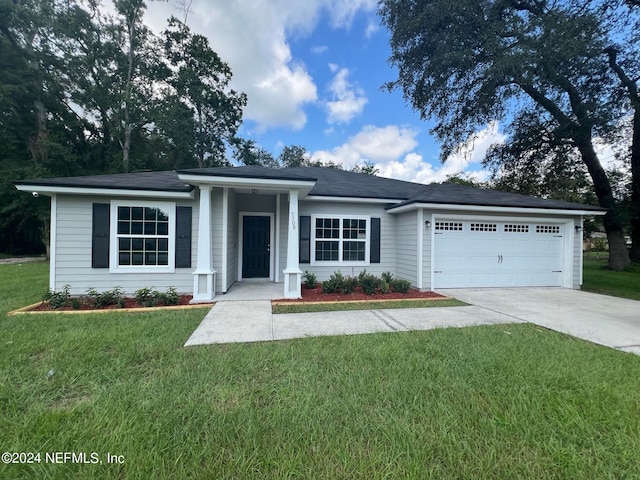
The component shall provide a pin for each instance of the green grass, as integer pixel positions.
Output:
(370, 305)
(599, 279)
(506, 401)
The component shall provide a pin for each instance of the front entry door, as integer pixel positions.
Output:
(255, 247)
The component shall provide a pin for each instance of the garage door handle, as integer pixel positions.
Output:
(500, 258)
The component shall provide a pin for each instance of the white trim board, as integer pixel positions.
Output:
(110, 192)
(489, 209)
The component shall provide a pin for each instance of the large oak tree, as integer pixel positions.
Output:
(469, 62)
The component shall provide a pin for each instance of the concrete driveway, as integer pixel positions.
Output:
(610, 321)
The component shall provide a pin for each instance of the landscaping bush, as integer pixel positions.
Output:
(310, 280)
(57, 299)
(384, 286)
(335, 283)
(150, 297)
(400, 285)
(349, 284)
(387, 277)
(368, 283)
(114, 296)
(147, 297)
(170, 297)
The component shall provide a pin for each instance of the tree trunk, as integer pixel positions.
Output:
(635, 186)
(634, 96)
(126, 144)
(618, 252)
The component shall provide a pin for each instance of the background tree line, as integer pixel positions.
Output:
(83, 92)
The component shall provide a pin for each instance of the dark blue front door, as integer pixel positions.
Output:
(255, 247)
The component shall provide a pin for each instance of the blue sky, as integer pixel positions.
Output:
(313, 71)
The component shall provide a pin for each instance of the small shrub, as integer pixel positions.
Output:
(106, 298)
(387, 277)
(147, 297)
(57, 299)
(170, 297)
(384, 286)
(328, 286)
(310, 280)
(400, 285)
(361, 275)
(75, 303)
(121, 302)
(335, 283)
(369, 283)
(349, 284)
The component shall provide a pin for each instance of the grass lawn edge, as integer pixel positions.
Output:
(28, 309)
(285, 307)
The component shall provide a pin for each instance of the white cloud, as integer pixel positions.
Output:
(375, 144)
(392, 150)
(348, 100)
(251, 36)
(372, 27)
(319, 49)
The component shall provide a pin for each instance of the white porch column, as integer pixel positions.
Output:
(292, 273)
(204, 277)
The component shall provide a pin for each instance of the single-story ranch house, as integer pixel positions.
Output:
(201, 230)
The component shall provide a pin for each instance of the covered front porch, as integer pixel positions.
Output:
(247, 231)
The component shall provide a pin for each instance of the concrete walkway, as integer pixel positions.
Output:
(252, 321)
(610, 321)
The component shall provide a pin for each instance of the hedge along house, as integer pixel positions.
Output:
(201, 230)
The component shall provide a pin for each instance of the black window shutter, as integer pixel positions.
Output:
(305, 239)
(183, 237)
(374, 249)
(100, 236)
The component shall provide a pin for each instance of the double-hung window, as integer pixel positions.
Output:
(340, 239)
(142, 236)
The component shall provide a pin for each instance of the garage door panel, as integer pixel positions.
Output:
(487, 254)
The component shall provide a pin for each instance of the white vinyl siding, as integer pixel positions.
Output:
(73, 252)
(426, 249)
(232, 244)
(406, 246)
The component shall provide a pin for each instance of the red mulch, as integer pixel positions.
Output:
(86, 304)
(316, 295)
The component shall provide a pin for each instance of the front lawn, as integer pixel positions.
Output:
(505, 401)
(597, 278)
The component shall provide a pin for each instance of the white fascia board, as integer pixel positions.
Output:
(107, 192)
(490, 209)
(321, 198)
(247, 182)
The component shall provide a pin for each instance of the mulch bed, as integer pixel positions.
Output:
(316, 295)
(85, 304)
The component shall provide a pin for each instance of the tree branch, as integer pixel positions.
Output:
(628, 83)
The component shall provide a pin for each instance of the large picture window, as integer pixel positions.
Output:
(143, 239)
(340, 239)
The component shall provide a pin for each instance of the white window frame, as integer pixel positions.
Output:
(168, 207)
(340, 240)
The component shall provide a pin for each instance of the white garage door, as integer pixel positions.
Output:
(497, 254)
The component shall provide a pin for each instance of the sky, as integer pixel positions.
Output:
(313, 71)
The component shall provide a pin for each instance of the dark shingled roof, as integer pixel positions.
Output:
(153, 181)
(455, 194)
(329, 182)
(340, 183)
